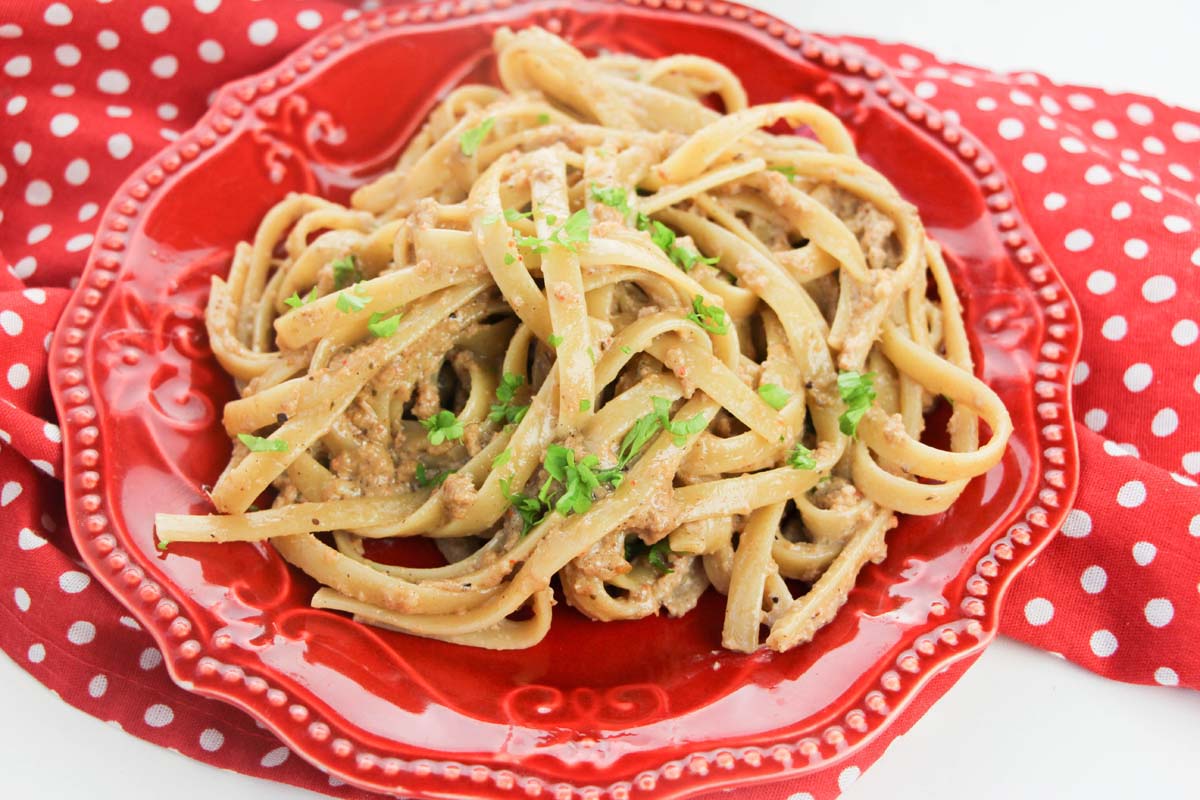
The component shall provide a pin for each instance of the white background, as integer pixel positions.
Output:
(1020, 723)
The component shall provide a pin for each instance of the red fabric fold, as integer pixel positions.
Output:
(1109, 182)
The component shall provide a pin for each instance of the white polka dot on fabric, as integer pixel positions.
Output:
(44, 466)
(925, 90)
(67, 55)
(1101, 282)
(1103, 643)
(1159, 612)
(1165, 422)
(1039, 611)
(1098, 175)
(63, 124)
(113, 81)
(1176, 224)
(1078, 524)
(1131, 494)
(165, 66)
(1129, 154)
(21, 599)
(1165, 676)
(168, 111)
(1054, 201)
(1191, 462)
(159, 716)
(1020, 97)
(18, 66)
(1138, 377)
(1183, 480)
(1186, 332)
(119, 112)
(155, 19)
(58, 14)
(73, 581)
(16, 105)
(1072, 145)
(986, 104)
(1078, 240)
(1154, 146)
(1011, 128)
(77, 243)
(120, 145)
(1094, 579)
(1144, 553)
(1158, 288)
(25, 267)
(1049, 105)
(22, 151)
(87, 211)
(77, 172)
(847, 777)
(1114, 328)
(1104, 129)
(1122, 210)
(150, 658)
(18, 376)
(275, 757)
(1136, 248)
(28, 540)
(1186, 132)
(212, 740)
(108, 39)
(262, 31)
(309, 20)
(81, 632)
(37, 233)
(1034, 162)
(211, 51)
(206, 6)
(1140, 113)
(1181, 172)
(36, 653)
(1151, 193)
(97, 686)
(1080, 101)
(1096, 419)
(38, 193)
(52, 432)
(1116, 449)
(130, 622)
(1082, 370)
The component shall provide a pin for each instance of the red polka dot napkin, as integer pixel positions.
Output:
(1109, 182)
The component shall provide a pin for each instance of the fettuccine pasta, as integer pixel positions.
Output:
(591, 330)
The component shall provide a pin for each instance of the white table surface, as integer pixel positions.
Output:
(1021, 723)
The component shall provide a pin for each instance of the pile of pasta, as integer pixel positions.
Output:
(591, 331)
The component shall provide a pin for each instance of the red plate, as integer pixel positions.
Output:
(651, 708)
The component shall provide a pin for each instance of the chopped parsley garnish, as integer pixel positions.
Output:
(425, 481)
(858, 393)
(679, 429)
(351, 302)
(710, 318)
(257, 444)
(383, 327)
(504, 410)
(162, 545)
(554, 340)
(543, 119)
(570, 234)
(626, 349)
(664, 237)
(509, 258)
(471, 138)
(529, 508)
(584, 405)
(774, 395)
(788, 172)
(613, 197)
(441, 427)
(295, 301)
(656, 554)
(502, 459)
(801, 458)
(645, 429)
(345, 272)
(578, 478)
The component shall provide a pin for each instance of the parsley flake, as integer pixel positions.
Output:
(801, 458)
(425, 481)
(710, 318)
(543, 119)
(471, 138)
(656, 554)
(858, 393)
(257, 444)
(441, 427)
(351, 302)
(295, 301)
(530, 509)
(554, 340)
(679, 429)
(502, 459)
(584, 405)
(665, 238)
(788, 172)
(383, 327)
(504, 410)
(345, 272)
(613, 197)
(774, 395)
